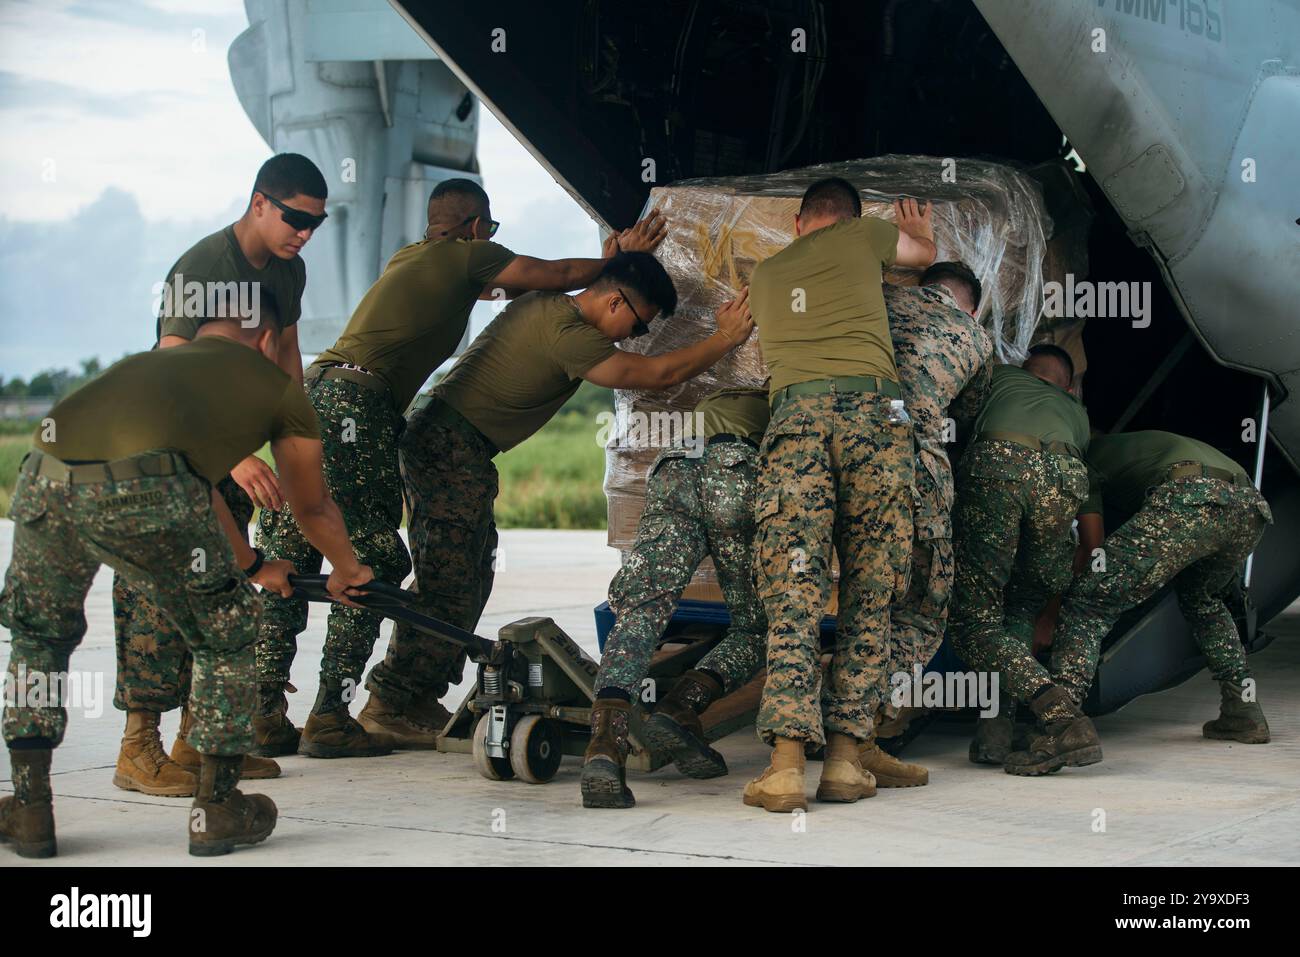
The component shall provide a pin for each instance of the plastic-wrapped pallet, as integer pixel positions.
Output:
(985, 214)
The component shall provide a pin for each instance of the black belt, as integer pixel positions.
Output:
(719, 437)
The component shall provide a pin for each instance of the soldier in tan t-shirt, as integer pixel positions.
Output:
(835, 473)
(407, 324)
(122, 474)
(506, 386)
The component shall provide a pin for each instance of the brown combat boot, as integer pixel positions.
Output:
(1066, 737)
(143, 765)
(222, 816)
(254, 768)
(273, 732)
(780, 788)
(331, 732)
(888, 771)
(675, 730)
(27, 816)
(1239, 719)
(994, 737)
(407, 733)
(604, 770)
(843, 777)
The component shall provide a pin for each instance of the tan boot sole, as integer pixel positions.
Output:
(777, 803)
(401, 742)
(886, 781)
(843, 793)
(175, 791)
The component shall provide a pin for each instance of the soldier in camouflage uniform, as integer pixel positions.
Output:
(153, 662)
(835, 472)
(123, 477)
(1021, 482)
(1196, 517)
(405, 326)
(698, 502)
(942, 354)
(513, 378)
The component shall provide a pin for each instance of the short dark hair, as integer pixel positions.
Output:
(958, 272)
(462, 187)
(643, 275)
(832, 196)
(290, 174)
(1047, 350)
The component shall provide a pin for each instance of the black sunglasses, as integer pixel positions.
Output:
(639, 329)
(296, 218)
(493, 226)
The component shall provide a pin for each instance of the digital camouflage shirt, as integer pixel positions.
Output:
(938, 350)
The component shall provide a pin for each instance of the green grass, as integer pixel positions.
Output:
(12, 450)
(553, 480)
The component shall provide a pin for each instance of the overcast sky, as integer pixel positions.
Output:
(122, 143)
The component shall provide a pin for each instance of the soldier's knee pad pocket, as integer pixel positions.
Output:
(767, 507)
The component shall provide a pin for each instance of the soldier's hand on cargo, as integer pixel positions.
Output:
(735, 321)
(914, 218)
(342, 583)
(646, 235)
(610, 248)
(274, 576)
(257, 479)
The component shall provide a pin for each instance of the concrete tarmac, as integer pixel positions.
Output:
(1163, 794)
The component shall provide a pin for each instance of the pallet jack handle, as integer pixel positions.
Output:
(393, 602)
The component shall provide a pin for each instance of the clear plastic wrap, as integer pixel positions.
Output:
(985, 214)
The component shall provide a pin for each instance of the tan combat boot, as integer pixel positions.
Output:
(143, 765)
(331, 732)
(604, 765)
(222, 816)
(1239, 719)
(675, 730)
(407, 733)
(780, 787)
(1066, 737)
(254, 768)
(27, 816)
(888, 771)
(273, 732)
(844, 780)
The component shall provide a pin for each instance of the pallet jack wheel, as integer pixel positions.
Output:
(536, 748)
(494, 769)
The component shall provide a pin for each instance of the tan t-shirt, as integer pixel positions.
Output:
(819, 307)
(213, 399)
(411, 320)
(199, 287)
(525, 365)
(743, 412)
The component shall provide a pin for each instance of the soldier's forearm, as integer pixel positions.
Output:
(324, 528)
(680, 365)
(244, 555)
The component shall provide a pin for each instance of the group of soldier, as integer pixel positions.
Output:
(151, 469)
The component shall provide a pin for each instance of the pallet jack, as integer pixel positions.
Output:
(532, 698)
